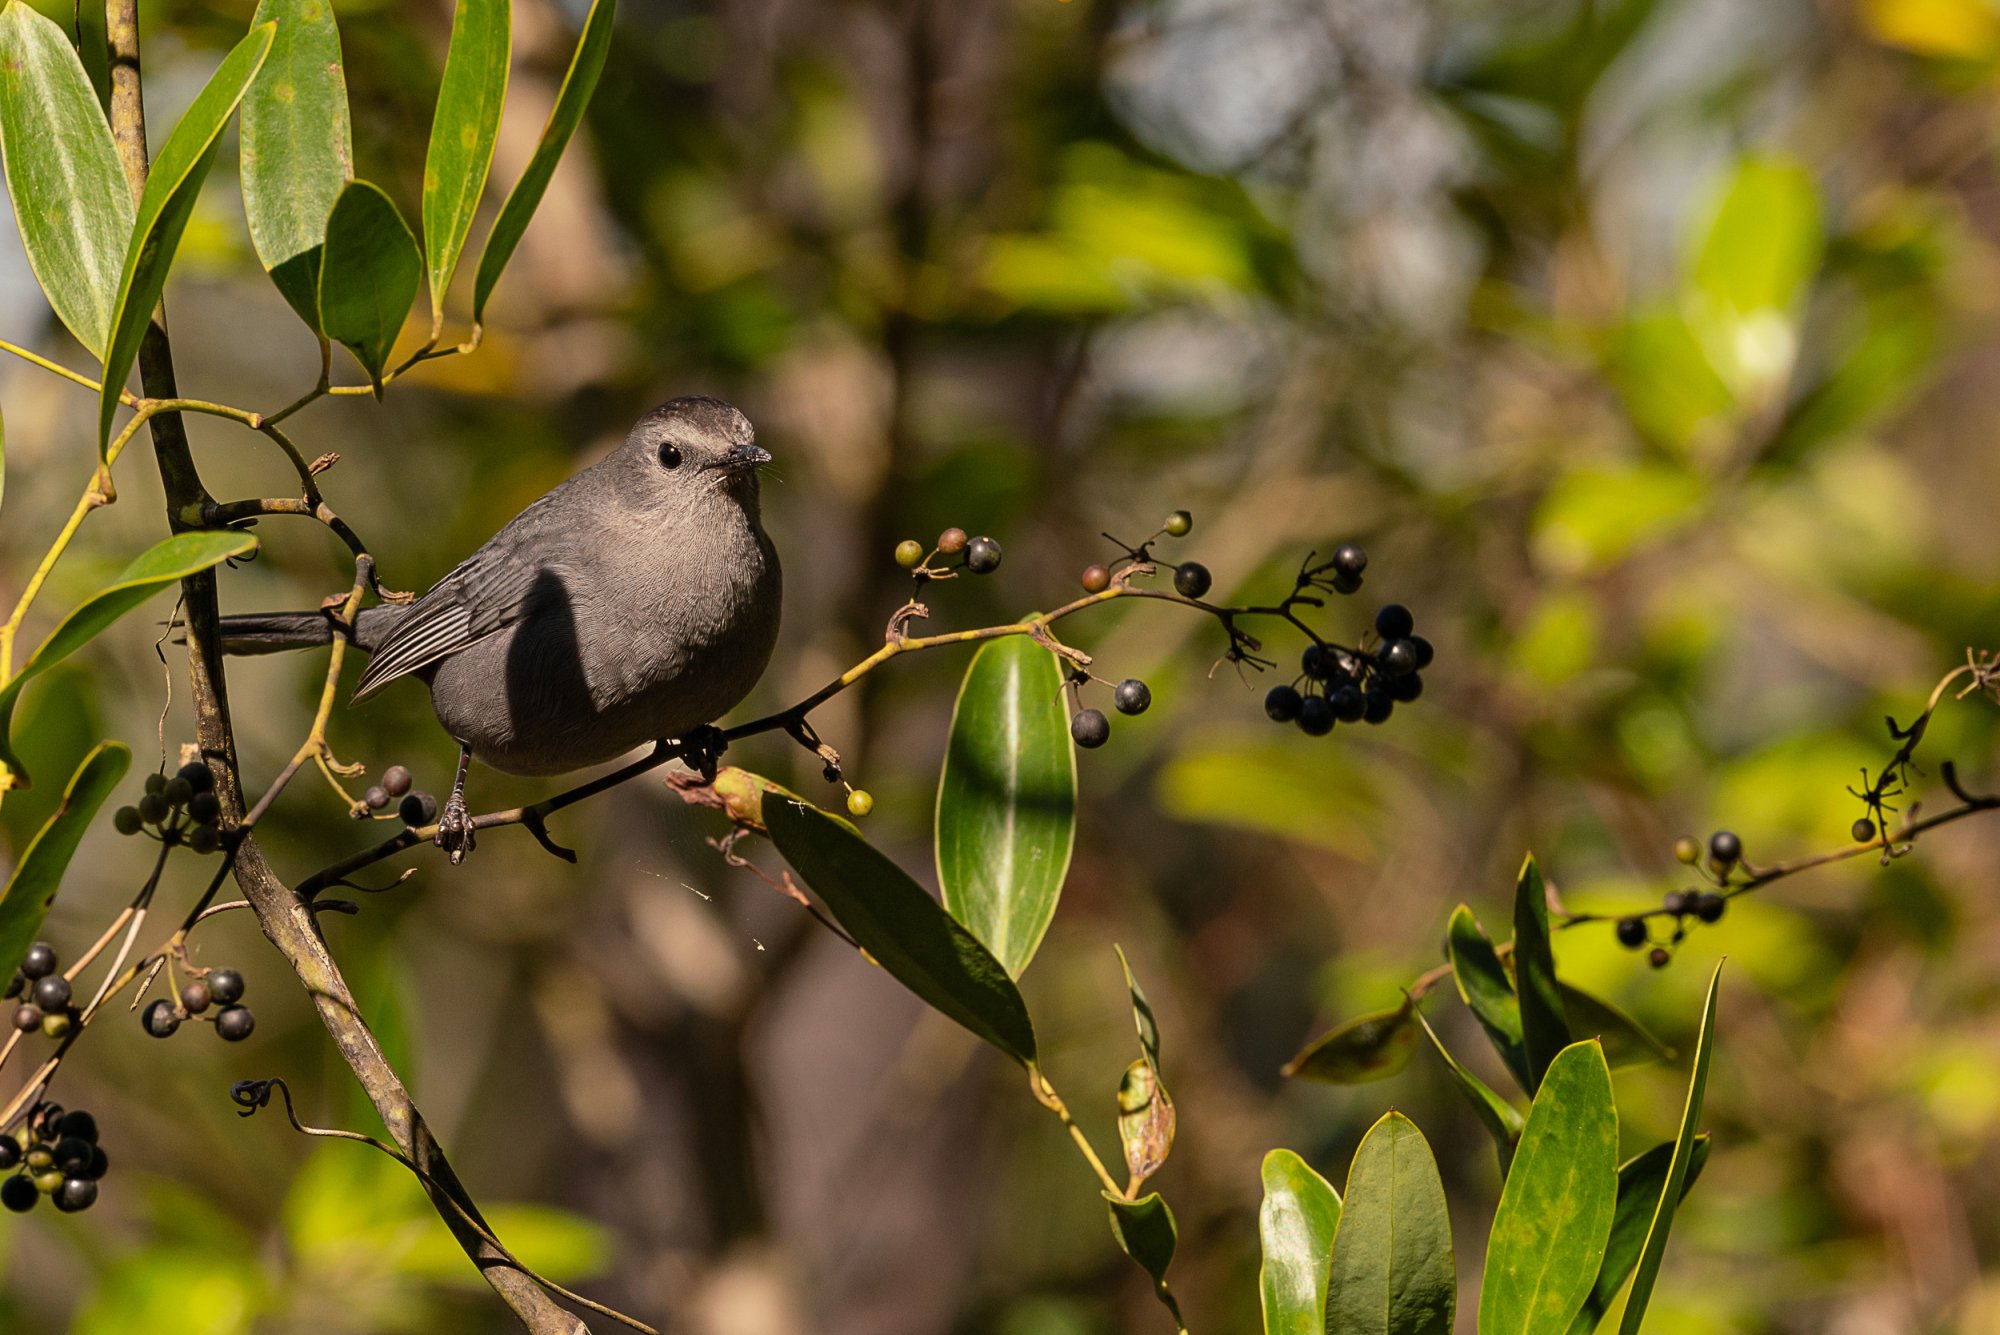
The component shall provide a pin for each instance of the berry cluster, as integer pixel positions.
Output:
(1337, 685)
(46, 1000)
(1725, 855)
(220, 990)
(180, 810)
(980, 556)
(55, 1154)
(413, 808)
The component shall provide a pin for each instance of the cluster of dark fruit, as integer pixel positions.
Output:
(1338, 685)
(180, 810)
(1089, 728)
(1725, 851)
(981, 555)
(219, 990)
(55, 1154)
(413, 808)
(46, 1002)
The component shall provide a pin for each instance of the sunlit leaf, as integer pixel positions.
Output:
(1142, 1011)
(1544, 1028)
(70, 196)
(1295, 1225)
(297, 148)
(39, 873)
(1391, 1271)
(1369, 1047)
(165, 206)
(1626, 1041)
(164, 564)
(578, 83)
(1554, 1217)
(1640, 1182)
(1647, 1272)
(463, 132)
(903, 929)
(1501, 1119)
(1006, 803)
(369, 277)
(1487, 990)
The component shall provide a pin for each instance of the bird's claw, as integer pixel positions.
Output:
(702, 750)
(454, 831)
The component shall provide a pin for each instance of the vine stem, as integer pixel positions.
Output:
(1045, 1094)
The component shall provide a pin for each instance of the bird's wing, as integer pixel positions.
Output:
(485, 593)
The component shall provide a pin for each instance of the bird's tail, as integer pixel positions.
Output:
(275, 632)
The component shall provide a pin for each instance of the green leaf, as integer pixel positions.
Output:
(1142, 1012)
(577, 86)
(1146, 1121)
(462, 134)
(38, 875)
(1555, 1212)
(1006, 805)
(370, 276)
(1626, 1041)
(1295, 1224)
(297, 148)
(1487, 991)
(164, 209)
(70, 195)
(1145, 1231)
(166, 563)
(1544, 1028)
(1370, 1047)
(1501, 1119)
(1391, 1271)
(1647, 1272)
(1641, 1182)
(901, 927)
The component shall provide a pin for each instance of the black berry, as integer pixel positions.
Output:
(1090, 728)
(1394, 622)
(1377, 706)
(1659, 958)
(1397, 657)
(18, 1194)
(76, 1193)
(418, 809)
(155, 783)
(52, 992)
(204, 808)
(1725, 847)
(1191, 579)
(396, 779)
(195, 997)
(159, 1019)
(1405, 689)
(1346, 583)
(204, 839)
(10, 1153)
(235, 1023)
(1315, 716)
(1316, 662)
(72, 1155)
(39, 962)
(1349, 704)
(225, 985)
(1132, 696)
(28, 1018)
(178, 791)
(982, 556)
(375, 798)
(79, 1124)
(15, 985)
(1281, 704)
(99, 1164)
(1349, 560)
(1863, 831)
(1710, 908)
(153, 808)
(1424, 651)
(1632, 932)
(196, 776)
(1679, 902)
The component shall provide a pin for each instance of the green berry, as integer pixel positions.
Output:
(1863, 831)
(1687, 851)
(56, 1024)
(154, 784)
(204, 808)
(860, 803)
(126, 820)
(48, 1183)
(153, 808)
(1179, 524)
(177, 792)
(908, 553)
(204, 839)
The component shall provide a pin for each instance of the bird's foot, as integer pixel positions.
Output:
(454, 832)
(702, 749)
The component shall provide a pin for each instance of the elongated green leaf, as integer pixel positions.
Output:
(1544, 1028)
(369, 276)
(1006, 806)
(1641, 1180)
(1626, 1041)
(1391, 1271)
(1142, 1012)
(70, 196)
(1146, 1232)
(1501, 1119)
(577, 85)
(1369, 1047)
(166, 563)
(1487, 991)
(1295, 1224)
(1554, 1219)
(462, 134)
(297, 148)
(164, 209)
(38, 875)
(901, 927)
(1647, 1272)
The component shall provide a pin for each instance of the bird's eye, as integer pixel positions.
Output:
(670, 456)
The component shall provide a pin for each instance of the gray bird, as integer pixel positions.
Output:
(637, 602)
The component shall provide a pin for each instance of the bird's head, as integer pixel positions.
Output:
(696, 448)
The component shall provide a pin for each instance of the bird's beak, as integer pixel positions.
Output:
(742, 459)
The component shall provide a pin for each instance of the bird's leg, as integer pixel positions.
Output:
(702, 749)
(454, 833)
